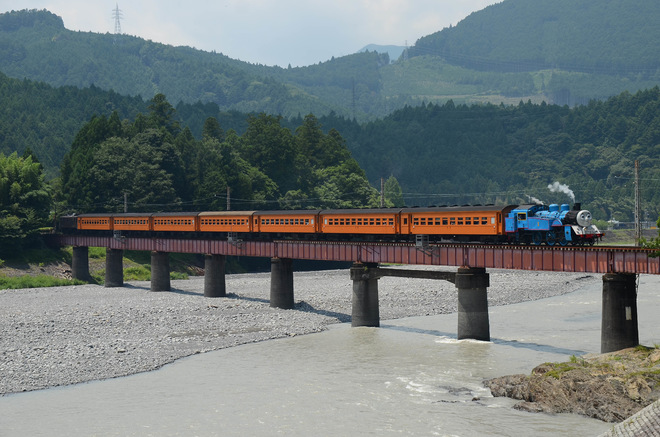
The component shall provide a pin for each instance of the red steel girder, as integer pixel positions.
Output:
(558, 259)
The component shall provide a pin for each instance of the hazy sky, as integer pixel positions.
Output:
(282, 32)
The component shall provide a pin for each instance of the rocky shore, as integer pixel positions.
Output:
(67, 335)
(610, 387)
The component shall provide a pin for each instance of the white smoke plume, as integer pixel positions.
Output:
(556, 187)
(533, 199)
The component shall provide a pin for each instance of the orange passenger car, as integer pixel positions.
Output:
(360, 221)
(95, 222)
(289, 222)
(225, 221)
(175, 222)
(455, 220)
(132, 222)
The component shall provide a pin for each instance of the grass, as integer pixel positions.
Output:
(15, 282)
(138, 267)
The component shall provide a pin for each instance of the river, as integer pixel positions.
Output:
(411, 377)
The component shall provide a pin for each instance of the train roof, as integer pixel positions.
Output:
(225, 213)
(175, 214)
(361, 211)
(95, 214)
(289, 212)
(464, 208)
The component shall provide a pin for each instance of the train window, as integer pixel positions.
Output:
(359, 222)
(307, 221)
(405, 220)
(371, 221)
(468, 221)
(415, 221)
(460, 220)
(492, 220)
(341, 222)
(377, 222)
(391, 221)
(452, 220)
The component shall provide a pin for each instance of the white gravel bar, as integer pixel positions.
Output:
(67, 335)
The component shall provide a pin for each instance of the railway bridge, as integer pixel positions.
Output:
(619, 266)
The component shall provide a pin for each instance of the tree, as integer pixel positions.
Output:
(24, 202)
(269, 147)
(393, 193)
(162, 115)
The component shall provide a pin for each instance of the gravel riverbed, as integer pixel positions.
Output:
(67, 335)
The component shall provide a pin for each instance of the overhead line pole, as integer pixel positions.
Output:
(638, 207)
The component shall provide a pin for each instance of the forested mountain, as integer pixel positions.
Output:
(459, 154)
(35, 45)
(45, 119)
(569, 51)
(592, 36)
(442, 148)
(440, 154)
(556, 51)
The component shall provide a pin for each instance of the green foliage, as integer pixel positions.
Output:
(393, 192)
(24, 202)
(460, 154)
(160, 166)
(45, 119)
(653, 243)
(560, 51)
(18, 282)
(516, 35)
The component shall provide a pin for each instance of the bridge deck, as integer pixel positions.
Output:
(595, 259)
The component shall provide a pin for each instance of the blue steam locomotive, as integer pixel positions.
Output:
(554, 224)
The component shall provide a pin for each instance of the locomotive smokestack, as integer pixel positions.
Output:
(577, 206)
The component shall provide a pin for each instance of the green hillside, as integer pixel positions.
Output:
(592, 36)
(556, 51)
(460, 154)
(562, 51)
(45, 119)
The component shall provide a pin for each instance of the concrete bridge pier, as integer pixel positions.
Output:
(619, 329)
(214, 276)
(365, 310)
(114, 267)
(80, 263)
(281, 283)
(160, 271)
(472, 284)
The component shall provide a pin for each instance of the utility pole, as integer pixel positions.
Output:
(228, 198)
(382, 193)
(638, 207)
(125, 201)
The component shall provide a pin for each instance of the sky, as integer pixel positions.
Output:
(269, 32)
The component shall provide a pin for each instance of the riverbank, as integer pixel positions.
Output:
(610, 387)
(67, 335)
